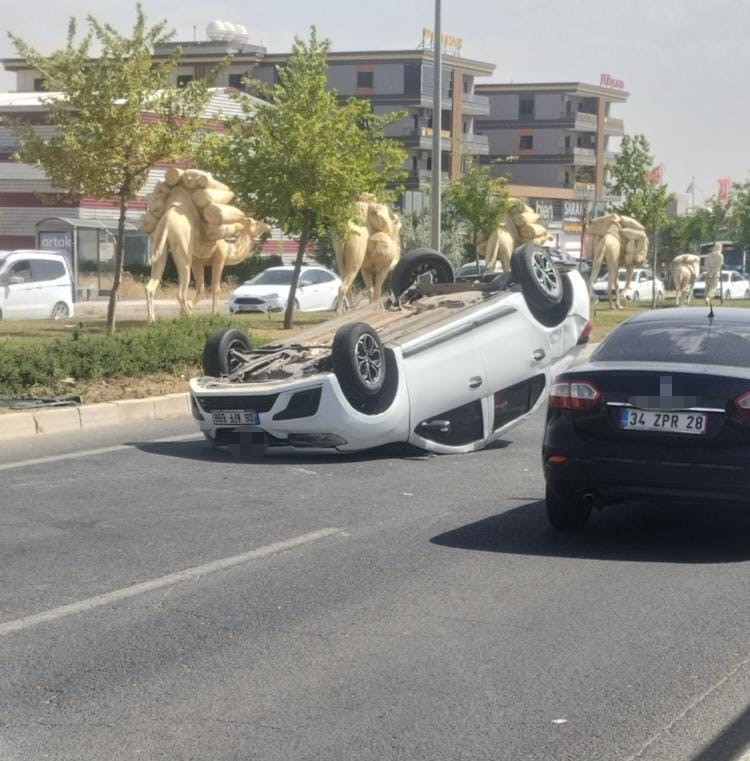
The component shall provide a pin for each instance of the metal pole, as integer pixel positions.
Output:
(437, 123)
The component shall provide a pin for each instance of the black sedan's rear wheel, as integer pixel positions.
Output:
(222, 353)
(358, 361)
(566, 512)
(420, 265)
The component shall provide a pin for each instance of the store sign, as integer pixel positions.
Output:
(605, 80)
(573, 209)
(545, 210)
(450, 45)
(52, 241)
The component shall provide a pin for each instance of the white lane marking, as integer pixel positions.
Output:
(90, 452)
(189, 574)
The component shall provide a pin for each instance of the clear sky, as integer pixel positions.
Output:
(685, 63)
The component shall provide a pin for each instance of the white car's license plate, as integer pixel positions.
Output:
(235, 417)
(667, 422)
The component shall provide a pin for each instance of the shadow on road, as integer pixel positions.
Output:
(203, 451)
(629, 532)
(730, 743)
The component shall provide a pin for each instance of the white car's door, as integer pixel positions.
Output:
(513, 349)
(18, 292)
(308, 293)
(444, 370)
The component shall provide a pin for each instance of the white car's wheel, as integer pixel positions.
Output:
(222, 351)
(60, 311)
(538, 275)
(358, 361)
(420, 265)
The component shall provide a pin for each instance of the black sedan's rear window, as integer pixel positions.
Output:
(726, 344)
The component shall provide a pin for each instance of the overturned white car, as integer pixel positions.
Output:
(445, 366)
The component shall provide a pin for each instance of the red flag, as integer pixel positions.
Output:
(724, 190)
(655, 175)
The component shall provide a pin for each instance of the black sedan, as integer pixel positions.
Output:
(661, 410)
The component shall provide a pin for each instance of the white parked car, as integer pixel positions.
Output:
(641, 288)
(446, 366)
(268, 291)
(35, 285)
(733, 286)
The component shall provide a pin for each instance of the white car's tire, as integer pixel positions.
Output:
(548, 292)
(358, 361)
(60, 311)
(421, 263)
(220, 353)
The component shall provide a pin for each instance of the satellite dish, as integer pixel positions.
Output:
(216, 30)
(240, 32)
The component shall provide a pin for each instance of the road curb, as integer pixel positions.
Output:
(44, 420)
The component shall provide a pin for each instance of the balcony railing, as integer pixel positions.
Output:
(477, 100)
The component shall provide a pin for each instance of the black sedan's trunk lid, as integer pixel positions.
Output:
(704, 398)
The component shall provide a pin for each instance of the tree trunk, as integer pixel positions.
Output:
(474, 238)
(303, 240)
(119, 259)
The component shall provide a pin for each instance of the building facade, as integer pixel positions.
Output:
(399, 80)
(552, 141)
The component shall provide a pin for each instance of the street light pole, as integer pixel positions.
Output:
(437, 123)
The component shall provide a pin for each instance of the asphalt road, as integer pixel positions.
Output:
(161, 601)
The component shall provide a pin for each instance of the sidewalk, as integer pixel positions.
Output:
(40, 420)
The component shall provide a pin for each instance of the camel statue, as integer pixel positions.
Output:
(225, 254)
(714, 263)
(518, 226)
(685, 271)
(189, 217)
(617, 241)
(372, 245)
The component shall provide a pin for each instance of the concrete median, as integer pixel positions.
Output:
(47, 420)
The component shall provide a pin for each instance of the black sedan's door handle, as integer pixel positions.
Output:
(539, 355)
(475, 382)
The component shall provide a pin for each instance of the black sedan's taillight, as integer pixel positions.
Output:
(573, 394)
(742, 405)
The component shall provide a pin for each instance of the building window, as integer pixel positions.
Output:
(414, 164)
(412, 79)
(526, 106)
(365, 79)
(526, 143)
(183, 79)
(39, 84)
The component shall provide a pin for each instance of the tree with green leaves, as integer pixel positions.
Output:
(739, 213)
(303, 158)
(643, 199)
(708, 223)
(104, 144)
(479, 200)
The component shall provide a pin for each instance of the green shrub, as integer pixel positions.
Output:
(165, 346)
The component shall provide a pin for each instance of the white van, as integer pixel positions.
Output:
(35, 285)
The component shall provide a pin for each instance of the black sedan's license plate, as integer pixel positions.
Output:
(235, 417)
(666, 422)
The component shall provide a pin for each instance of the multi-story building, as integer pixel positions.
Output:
(393, 80)
(552, 141)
